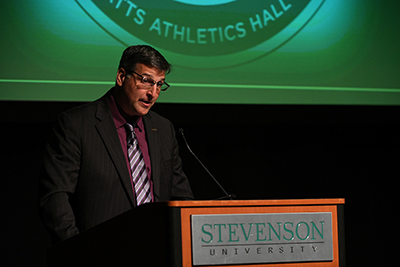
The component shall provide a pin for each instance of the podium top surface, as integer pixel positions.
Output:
(253, 203)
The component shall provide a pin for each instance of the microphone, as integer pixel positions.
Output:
(227, 196)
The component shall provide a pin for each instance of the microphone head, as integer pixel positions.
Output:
(180, 130)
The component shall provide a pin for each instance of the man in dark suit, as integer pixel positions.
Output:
(89, 172)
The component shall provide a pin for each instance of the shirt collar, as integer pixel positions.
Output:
(119, 120)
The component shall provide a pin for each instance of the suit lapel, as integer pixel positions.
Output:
(108, 133)
(153, 140)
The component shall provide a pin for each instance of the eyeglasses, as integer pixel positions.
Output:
(149, 82)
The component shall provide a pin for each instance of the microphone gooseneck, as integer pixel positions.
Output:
(227, 196)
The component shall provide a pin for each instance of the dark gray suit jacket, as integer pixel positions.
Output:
(86, 180)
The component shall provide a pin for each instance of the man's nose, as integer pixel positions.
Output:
(152, 90)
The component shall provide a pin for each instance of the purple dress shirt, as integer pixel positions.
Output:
(140, 133)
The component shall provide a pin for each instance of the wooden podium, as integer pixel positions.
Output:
(288, 233)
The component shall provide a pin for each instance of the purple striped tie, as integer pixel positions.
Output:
(138, 169)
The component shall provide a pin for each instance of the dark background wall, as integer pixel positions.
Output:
(256, 152)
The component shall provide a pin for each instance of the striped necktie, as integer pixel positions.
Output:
(138, 169)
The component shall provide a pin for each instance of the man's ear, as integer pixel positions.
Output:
(121, 75)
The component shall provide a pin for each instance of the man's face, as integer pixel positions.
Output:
(132, 95)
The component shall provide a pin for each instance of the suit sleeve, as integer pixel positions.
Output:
(59, 178)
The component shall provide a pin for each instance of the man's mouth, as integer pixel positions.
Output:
(146, 102)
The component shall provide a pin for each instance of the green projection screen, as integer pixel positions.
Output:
(333, 52)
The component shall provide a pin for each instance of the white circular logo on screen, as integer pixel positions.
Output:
(204, 2)
(231, 32)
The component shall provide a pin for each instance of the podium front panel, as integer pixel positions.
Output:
(261, 234)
